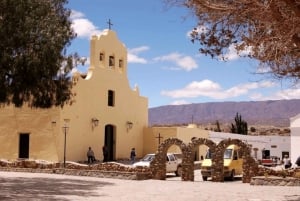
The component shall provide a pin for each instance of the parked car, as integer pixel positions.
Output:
(173, 164)
(233, 163)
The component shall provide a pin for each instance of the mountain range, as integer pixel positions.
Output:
(273, 113)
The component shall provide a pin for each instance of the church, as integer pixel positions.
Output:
(106, 112)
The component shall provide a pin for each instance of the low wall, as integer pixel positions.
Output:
(89, 173)
(275, 181)
(103, 170)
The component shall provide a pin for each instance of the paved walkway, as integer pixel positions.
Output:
(35, 186)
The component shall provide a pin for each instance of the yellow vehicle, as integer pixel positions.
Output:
(233, 163)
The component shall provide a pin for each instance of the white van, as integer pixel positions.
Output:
(233, 163)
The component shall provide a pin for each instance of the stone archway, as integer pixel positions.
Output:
(188, 160)
(249, 164)
(158, 165)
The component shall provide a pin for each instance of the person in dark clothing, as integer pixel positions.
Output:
(105, 153)
(132, 155)
(298, 161)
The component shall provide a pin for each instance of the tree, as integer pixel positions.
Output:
(240, 126)
(34, 67)
(218, 128)
(267, 30)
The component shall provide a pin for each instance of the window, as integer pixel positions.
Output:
(227, 153)
(101, 56)
(111, 61)
(120, 63)
(111, 101)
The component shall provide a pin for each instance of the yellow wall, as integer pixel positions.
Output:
(37, 123)
(183, 133)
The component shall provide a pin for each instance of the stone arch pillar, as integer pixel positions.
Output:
(189, 158)
(249, 164)
(158, 165)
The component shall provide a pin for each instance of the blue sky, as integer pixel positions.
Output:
(162, 60)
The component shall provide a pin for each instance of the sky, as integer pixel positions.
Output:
(163, 62)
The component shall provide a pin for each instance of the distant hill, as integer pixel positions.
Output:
(274, 113)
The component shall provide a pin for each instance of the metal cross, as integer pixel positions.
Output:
(109, 24)
(159, 137)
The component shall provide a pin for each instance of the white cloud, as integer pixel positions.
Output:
(133, 57)
(186, 63)
(76, 14)
(292, 93)
(208, 88)
(199, 30)
(233, 54)
(82, 26)
(138, 50)
(180, 102)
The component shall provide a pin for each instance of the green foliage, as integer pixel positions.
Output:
(34, 67)
(240, 126)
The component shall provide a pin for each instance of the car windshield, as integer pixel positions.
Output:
(148, 158)
(227, 154)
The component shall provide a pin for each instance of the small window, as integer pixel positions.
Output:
(111, 61)
(101, 56)
(172, 158)
(111, 98)
(120, 63)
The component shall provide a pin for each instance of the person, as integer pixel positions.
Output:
(286, 162)
(105, 153)
(90, 155)
(132, 155)
(298, 161)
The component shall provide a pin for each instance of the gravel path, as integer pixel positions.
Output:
(35, 186)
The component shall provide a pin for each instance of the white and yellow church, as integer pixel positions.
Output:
(106, 112)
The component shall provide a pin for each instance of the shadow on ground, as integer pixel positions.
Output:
(47, 188)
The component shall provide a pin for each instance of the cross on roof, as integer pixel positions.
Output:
(109, 24)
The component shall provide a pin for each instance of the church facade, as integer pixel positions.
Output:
(105, 112)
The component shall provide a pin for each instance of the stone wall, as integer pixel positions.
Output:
(275, 181)
(103, 170)
(158, 165)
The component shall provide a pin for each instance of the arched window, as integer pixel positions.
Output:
(111, 61)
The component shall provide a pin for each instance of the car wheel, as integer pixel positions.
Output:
(232, 175)
(179, 171)
(204, 178)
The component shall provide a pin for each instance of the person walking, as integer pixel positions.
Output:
(90, 155)
(105, 153)
(132, 155)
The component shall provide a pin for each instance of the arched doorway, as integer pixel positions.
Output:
(110, 141)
